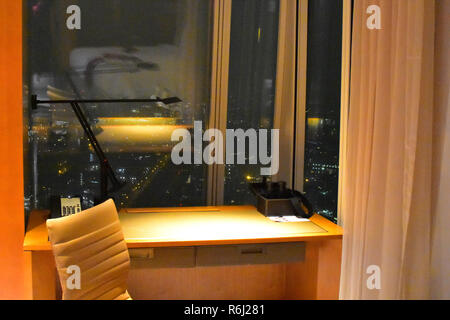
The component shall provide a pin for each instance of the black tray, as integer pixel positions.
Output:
(285, 203)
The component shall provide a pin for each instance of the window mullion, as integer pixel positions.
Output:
(219, 90)
(285, 89)
(302, 62)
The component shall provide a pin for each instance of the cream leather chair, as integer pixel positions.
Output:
(93, 241)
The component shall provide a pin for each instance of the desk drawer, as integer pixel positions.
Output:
(270, 253)
(178, 257)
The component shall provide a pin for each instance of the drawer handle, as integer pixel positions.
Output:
(252, 251)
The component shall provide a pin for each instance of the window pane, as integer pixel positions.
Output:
(125, 49)
(323, 105)
(252, 74)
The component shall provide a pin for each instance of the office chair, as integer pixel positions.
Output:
(92, 241)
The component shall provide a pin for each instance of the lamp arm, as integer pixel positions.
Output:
(106, 169)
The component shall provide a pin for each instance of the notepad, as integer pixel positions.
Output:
(288, 219)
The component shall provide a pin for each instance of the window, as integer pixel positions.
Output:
(323, 105)
(311, 128)
(239, 64)
(252, 80)
(123, 49)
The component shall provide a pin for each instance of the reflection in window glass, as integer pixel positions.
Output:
(323, 95)
(125, 49)
(252, 74)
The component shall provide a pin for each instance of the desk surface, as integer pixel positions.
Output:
(178, 227)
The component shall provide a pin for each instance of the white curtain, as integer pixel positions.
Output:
(386, 197)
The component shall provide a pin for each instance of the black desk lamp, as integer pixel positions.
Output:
(106, 169)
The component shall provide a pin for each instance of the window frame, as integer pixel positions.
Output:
(347, 23)
(290, 96)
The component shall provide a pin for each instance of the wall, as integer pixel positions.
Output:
(12, 265)
(440, 282)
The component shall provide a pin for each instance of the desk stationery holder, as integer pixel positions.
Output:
(274, 199)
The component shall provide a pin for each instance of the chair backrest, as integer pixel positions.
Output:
(91, 240)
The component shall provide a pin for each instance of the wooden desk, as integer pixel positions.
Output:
(317, 277)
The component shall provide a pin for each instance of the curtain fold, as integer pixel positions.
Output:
(387, 180)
